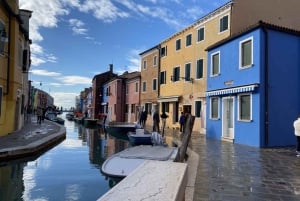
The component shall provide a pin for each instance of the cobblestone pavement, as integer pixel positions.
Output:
(233, 172)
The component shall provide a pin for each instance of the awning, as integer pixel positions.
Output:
(233, 90)
(168, 99)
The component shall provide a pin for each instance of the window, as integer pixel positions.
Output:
(126, 108)
(214, 108)
(108, 91)
(127, 88)
(178, 44)
(188, 40)
(246, 53)
(154, 84)
(163, 51)
(148, 108)
(198, 109)
(163, 77)
(244, 107)
(215, 62)
(199, 70)
(200, 34)
(144, 89)
(187, 72)
(20, 54)
(145, 64)
(136, 87)
(224, 23)
(176, 74)
(132, 108)
(155, 60)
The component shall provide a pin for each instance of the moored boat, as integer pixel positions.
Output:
(140, 136)
(126, 161)
(120, 127)
(90, 122)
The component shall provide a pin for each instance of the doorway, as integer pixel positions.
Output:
(228, 118)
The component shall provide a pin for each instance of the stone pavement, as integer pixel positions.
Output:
(31, 140)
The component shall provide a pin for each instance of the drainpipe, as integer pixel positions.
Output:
(266, 77)
(8, 57)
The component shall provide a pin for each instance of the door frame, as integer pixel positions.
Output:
(224, 117)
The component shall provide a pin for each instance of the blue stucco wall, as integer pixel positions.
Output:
(284, 87)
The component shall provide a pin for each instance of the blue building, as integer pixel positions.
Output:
(253, 86)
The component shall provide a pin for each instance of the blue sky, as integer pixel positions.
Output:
(74, 40)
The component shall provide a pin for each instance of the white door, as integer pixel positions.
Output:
(227, 120)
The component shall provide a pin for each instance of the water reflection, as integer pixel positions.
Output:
(69, 171)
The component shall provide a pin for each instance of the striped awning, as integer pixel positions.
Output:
(233, 90)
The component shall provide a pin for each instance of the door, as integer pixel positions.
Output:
(227, 119)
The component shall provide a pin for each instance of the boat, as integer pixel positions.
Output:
(90, 122)
(123, 163)
(79, 120)
(70, 116)
(120, 127)
(140, 136)
(52, 116)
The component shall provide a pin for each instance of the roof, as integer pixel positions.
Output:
(260, 24)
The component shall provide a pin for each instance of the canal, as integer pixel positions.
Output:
(70, 171)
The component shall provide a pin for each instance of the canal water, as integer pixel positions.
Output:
(68, 172)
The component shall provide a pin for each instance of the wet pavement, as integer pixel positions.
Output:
(219, 170)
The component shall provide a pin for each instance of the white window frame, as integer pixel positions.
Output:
(238, 107)
(211, 64)
(155, 60)
(188, 45)
(210, 108)
(179, 39)
(220, 24)
(199, 41)
(154, 80)
(240, 53)
(144, 64)
(196, 69)
(144, 90)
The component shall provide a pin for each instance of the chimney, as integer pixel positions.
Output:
(111, 67)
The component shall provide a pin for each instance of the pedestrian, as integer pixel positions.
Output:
(143, 118)
(156, 121)
(39, 114)
(163, 117)
(297, 133)
(181, 122)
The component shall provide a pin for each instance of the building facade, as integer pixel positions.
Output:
(246, 80)
(15, 63)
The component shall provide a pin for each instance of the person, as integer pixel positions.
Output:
(143, 118)
(39, 114)
(181, 121)
(163, 117)
(297, 134)
(156, 121)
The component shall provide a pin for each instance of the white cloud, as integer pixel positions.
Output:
(44, 72)
(65, 100)
(75, 80)
(77, 26)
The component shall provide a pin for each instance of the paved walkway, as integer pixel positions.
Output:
(218, 170)
(32, 139)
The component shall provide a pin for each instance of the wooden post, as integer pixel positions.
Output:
(188, 128)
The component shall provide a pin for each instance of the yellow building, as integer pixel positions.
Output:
(14, 62)
(150, 83)
(183, 62)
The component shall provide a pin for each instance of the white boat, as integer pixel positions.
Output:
(123, 163)
(140, 136)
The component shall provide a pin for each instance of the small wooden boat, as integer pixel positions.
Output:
(140, 136)
(123, 163)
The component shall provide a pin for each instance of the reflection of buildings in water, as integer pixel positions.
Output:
(115, 145)
(11, 181)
